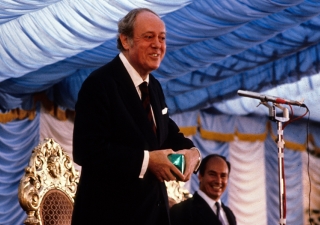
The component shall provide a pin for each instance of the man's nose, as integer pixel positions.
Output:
(218, 179)
(156, 43)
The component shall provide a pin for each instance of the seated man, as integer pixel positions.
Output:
(205, 206)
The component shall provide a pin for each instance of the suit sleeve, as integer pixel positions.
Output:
(175, 139)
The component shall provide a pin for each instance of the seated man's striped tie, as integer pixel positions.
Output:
(218, 212)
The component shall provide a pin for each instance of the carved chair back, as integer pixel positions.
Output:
(48, 186)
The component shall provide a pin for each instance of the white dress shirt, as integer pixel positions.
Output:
(137, 80)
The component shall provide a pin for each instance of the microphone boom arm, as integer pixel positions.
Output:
(269, 98)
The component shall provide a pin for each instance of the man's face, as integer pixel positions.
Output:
(215, 178)
(148, 47)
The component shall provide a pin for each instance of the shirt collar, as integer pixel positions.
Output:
(135, 77)
(209, 200)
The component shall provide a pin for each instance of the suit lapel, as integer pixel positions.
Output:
(228, 214)
(132, 102)
(156, 108)
(205, 213)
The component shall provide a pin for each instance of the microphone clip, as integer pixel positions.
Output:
(272, 111)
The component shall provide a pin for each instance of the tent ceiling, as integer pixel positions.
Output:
(214, 48)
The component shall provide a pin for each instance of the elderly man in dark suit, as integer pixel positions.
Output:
(123, 143)
(205, 207)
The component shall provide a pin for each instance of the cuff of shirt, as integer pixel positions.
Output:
(144, 164)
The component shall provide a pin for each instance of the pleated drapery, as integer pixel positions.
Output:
(247, 142)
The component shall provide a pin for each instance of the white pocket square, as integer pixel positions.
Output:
(164, 111)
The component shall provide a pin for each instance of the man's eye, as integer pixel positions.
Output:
(162, 39)
(148, 37)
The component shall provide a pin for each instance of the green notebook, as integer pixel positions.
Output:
(178, 161)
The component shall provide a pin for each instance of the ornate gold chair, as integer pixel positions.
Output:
(48, 187)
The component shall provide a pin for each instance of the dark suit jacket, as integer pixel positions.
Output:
(111, 132)
(196, 211)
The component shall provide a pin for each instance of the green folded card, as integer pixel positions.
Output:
(178, 161)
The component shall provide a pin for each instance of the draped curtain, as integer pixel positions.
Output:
(247, 142)
(214, 48)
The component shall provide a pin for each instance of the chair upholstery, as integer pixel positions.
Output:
(48, 187)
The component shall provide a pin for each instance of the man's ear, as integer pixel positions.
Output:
(124, 41)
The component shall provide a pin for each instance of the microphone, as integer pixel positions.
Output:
(269, 98)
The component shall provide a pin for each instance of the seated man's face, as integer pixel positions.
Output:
(215, 178)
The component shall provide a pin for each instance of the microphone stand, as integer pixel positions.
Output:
(280, 145)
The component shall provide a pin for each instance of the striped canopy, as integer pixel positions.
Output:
(214, 48)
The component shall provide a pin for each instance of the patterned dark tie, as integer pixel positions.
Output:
(145, 98)
(218, 212)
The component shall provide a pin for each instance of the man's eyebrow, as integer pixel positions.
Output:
(153, 32)
(213, 171)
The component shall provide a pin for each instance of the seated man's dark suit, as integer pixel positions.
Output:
(196, 211)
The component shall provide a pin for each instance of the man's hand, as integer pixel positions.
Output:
(161, 167)
(191, 159)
